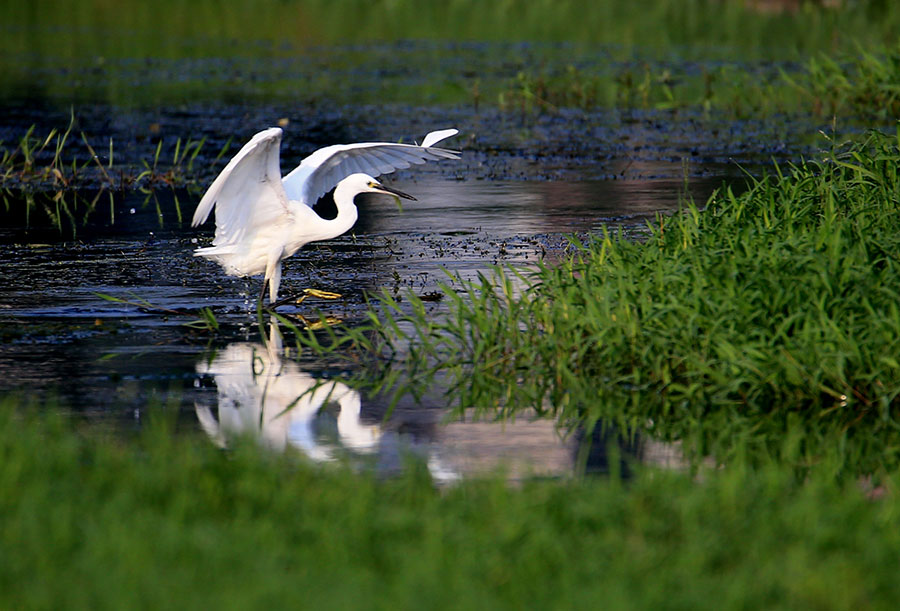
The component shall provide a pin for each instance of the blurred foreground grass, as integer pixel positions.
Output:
(86, 521)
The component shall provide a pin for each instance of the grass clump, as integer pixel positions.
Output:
(773, 315)
(862, 84)
(168, 521)
(59, 161)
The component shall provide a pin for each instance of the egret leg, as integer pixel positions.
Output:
(274, 282)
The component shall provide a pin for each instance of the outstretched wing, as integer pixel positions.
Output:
(248, 193)
(323, 170)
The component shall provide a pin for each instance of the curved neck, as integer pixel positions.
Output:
(345, 219)
(346, 210)
(310, 227)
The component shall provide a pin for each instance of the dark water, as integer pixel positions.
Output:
(109, 364)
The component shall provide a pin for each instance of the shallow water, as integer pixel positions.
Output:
(110, 364)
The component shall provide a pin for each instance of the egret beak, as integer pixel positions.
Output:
(395, 192)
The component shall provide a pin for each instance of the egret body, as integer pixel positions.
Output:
(262, 219)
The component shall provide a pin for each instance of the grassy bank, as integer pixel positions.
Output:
(768, 323)
(90, 522)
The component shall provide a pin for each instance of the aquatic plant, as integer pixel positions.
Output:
(768, 314)
(34, 164)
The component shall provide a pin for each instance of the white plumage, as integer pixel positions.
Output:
(262, 219)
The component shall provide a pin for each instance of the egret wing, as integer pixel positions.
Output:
(248, 193)
(323, 170)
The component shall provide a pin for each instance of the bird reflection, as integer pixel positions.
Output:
(264, 395)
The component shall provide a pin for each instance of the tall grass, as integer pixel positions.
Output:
(170, 521)
(771, 316)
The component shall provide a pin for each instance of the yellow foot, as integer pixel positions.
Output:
(319, 294)
(307, 293)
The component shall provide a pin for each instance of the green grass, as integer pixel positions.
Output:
(171, 521)
(60, 161)
(269, 29)
(768, 324)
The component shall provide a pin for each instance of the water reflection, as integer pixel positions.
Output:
(263, 393)
(260, 393)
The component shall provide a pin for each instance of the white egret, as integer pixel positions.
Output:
(262, 219)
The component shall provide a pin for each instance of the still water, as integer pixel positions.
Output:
(109, 364)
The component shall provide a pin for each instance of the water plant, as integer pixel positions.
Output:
(52, 162)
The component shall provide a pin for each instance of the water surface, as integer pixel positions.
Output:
(109, 364)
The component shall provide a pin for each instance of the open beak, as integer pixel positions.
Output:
(390, 191)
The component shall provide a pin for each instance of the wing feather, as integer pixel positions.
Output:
(248, 193)
(434, 137)
(384, 162)
(324, 169)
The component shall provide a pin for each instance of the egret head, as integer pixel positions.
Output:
(363, 183)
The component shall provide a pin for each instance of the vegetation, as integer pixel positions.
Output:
(859, 85)
(87, 521)
(771, 315)
(690, 28)
(60, 161)
(761, 329)
(92, 52)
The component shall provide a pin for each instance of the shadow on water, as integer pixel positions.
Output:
(107, 361)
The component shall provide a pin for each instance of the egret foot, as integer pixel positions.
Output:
(307, 293)
(319, 294)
